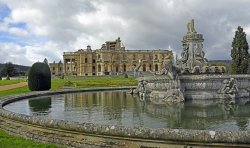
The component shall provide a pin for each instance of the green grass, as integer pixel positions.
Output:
(10, 141)
(94, 82)
(14, 91)
(57, 84)
(7, 82)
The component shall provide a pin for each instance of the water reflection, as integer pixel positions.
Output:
(40, 106)
(119, 108)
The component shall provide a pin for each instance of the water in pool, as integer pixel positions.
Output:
(120, 108)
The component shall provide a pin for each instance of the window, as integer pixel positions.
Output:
(99, 68)
(93, 60)
(93, 68)
(53, 68)
(156, 67)
(117, 69)
(86, 60)
(124, 68)
(60, 69)
(150, 67)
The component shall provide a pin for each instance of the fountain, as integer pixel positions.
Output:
(190, 77)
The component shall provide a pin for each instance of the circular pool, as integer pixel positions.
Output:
(120, 108)
(117, 116)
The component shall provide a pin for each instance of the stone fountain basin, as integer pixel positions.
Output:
(154, 135)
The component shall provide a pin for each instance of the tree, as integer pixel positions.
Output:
(239, 52)
(8, 70)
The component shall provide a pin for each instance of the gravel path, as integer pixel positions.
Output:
(13, 86)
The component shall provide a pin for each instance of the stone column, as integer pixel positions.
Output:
(102, 69)
(80, 64)
(70, 65)
(64, 66)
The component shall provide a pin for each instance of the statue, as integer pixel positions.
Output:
(142, 90)
(192, 54)
(45, 61)
(229, 87)
(190, 27)
(184, 54)
(173, 96)
(136, 69)
(168, 69)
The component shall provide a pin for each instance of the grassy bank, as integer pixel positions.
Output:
(7, 140)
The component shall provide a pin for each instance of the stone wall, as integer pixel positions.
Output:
(196, 87)
(112, 133)
(207, 86)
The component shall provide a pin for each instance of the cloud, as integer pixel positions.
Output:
(52, 27)
(18, 32)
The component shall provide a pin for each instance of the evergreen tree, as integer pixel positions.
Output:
(8, 70)
(239, 52)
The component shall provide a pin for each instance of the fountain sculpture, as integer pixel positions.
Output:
(191, 77)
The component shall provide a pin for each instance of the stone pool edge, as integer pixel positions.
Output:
(162, 134)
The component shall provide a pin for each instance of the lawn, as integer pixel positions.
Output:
(57, 84)
(7, 82)
(93, 82)
(7, 140)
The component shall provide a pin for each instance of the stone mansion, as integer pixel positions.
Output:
(111, 59)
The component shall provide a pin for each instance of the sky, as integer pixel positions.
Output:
(31, 30)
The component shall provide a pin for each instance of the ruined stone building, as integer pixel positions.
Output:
(111, 59)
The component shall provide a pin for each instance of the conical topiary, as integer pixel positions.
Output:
(39, 77)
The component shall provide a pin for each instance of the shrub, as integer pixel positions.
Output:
(39, 77)
(125, 75)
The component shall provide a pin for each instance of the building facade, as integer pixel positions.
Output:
(111, 59)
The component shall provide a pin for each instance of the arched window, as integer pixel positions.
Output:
(86, 60)
(117, 69)
(144, 67)
(99, 68)
(124, 68)
(156, 67)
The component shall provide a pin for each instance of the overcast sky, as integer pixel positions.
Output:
(31, 30)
